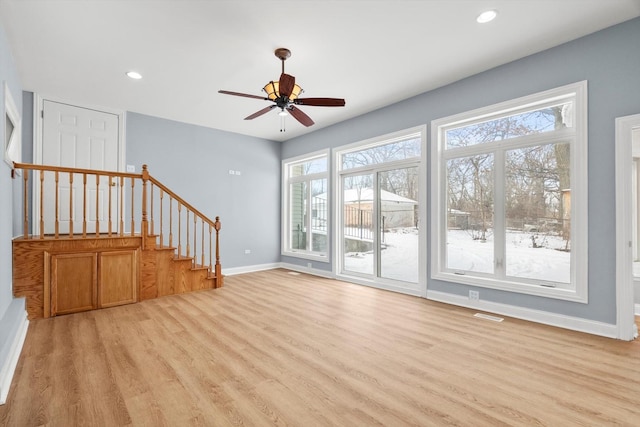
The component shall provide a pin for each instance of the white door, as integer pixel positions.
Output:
(81, 138)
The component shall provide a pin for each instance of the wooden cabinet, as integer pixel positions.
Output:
(73, 283)
(90, 280)
(117, 282)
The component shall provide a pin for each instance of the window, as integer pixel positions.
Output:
(510, 196)
(305, 218)
(12, 138)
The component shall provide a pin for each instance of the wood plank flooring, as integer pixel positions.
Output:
(272, 348)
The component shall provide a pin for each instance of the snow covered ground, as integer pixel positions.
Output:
(522, 259)
(399, 259)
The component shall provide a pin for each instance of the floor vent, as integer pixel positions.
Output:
(488, 317)
(294, 273)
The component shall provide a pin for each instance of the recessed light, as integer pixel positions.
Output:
(134, 75)
(487, 16)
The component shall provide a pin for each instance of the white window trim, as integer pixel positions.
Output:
(298, 253)
(13, 150)
(579, 221)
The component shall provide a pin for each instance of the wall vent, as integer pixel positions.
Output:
(488, 317)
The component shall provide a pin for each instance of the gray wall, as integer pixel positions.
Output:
(610, 61)
(11, 310)
(195, 161)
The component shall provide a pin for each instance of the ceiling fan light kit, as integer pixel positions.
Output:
(285, 93)
(271, 89)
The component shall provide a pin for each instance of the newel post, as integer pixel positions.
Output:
(219, 279)
(144, 224)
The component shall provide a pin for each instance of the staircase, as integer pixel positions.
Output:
(168, 248)
(166, 273)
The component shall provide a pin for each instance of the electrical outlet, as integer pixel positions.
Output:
(247, 251)
(131, 168)
(308, 265)
(474, 295)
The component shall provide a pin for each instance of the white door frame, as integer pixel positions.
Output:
(625, 318)
(38, 107)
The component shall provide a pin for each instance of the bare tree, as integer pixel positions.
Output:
(535, 176)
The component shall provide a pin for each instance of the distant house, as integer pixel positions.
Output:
(396, 211)
(457, 219)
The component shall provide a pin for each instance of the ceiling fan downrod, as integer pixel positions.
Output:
(282, 53)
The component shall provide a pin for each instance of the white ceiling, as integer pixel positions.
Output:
(372, 53)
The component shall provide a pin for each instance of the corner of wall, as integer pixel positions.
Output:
(13, 331)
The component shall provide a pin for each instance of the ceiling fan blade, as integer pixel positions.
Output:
(246, 95)
(300, 116)
(286, 84)
(320, 102)
(261, 112)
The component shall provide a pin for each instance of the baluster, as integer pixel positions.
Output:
(202, 244)
(152, 227)
(133, 220)
(219, 278)
(84, 205)
(97, 206)
(144, 223)
(179, 230)
(121, 231)
(210, 250)
(70, 205)
(25, 203)
(188, 246)
(170, 221)
(42, 204)
(161, 223)
(195, 242)
(57, 207)
(111, 184)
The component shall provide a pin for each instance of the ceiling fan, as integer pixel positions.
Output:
(284, 95)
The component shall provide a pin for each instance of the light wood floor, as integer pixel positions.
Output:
(272, 348)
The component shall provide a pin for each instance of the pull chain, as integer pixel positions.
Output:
(282, 127)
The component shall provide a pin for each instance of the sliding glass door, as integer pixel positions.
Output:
(358, 224)
(398, 224)
(378, 213)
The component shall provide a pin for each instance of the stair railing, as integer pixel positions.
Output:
(66, 200)
(200, 250)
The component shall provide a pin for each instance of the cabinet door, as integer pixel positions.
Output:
(73, 283)
(118, 278)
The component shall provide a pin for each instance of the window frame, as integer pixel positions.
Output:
(577, 289)
(12, 147)
(286, 249)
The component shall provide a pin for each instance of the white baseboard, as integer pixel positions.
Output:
(9, 367)
(249, 269)
(272, 266)
(544, 317)
(637, 310)
(315, 271)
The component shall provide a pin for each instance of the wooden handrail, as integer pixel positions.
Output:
(180, 200)
(48, 168)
